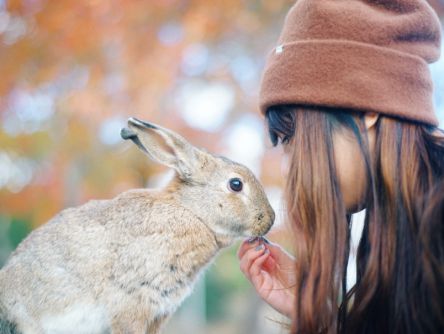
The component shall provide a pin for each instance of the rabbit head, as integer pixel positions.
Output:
(226, 195)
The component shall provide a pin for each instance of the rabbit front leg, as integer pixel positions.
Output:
(128, 326)
(155, 326)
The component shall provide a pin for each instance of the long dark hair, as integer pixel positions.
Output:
(400, 263)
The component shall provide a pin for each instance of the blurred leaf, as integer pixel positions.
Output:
(19, 228)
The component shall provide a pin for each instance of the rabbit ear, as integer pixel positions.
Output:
(163, 146)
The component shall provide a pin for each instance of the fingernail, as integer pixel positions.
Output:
(259, 247)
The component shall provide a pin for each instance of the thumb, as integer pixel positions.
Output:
(280, 255)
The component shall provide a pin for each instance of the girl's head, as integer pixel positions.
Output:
(343, 161)
(348, 92)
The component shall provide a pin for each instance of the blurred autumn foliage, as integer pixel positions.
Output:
(72, 72)
(72, 68)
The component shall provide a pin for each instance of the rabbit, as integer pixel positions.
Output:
(125, 265)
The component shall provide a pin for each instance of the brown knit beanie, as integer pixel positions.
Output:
(369, 55)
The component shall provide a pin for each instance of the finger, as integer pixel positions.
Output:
(276, 251)
(249, 257)
(256, 265)
(269, 264)
(246, 245)
(279, 254)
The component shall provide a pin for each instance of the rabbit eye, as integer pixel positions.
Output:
(235, 184)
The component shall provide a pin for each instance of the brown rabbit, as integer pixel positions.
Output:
(124, 265)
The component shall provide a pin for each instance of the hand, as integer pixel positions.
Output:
(271, 271)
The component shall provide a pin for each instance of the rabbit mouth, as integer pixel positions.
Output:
(262, 230)
(266, 230)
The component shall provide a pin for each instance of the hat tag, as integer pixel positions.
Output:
(279, 49)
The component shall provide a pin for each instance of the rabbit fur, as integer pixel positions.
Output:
(124, 265)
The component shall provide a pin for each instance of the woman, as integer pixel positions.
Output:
(348, 94)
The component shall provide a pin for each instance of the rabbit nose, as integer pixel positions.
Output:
(270, 215)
